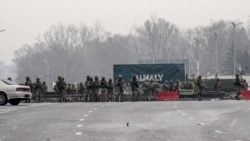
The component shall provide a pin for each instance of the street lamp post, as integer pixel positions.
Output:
(234, 57)
(189, 46)
(48, 74)
(197, 42)
(216, 54)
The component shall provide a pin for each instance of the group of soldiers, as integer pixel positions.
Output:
(95, 90)
(38, 88)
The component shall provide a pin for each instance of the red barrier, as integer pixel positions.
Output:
(167, 95)
(245, 94)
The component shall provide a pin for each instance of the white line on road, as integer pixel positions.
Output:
(201, 123)
(86, 115)
(218, 131)
(78, 133)
(183, 114)
(6, 110)
(234, 121)
(191, 118)
(90, 111)
(11, 109)
(81, 119)
(95, 108)
(79, 125)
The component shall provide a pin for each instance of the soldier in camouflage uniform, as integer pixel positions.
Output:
(44, 88)
(134, 84)
(177, 85)
(199, 86)
(104, 94)
(61, 85)
(145, 88)
(153, 89)
(69, 90)
(238, 86)
(38, 89)
(165, 86)
(88, 86)
(110, 88)
(96, 87)
(171, 86)
(218, 85)
(120, 88)
(73, 89)
(81, 88)
(29, 83)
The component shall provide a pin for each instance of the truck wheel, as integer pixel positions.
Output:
(3, 99)
(14, 101)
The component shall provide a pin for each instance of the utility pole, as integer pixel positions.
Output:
(216, 54)
(234, 57)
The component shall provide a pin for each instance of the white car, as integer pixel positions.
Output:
(13, 93)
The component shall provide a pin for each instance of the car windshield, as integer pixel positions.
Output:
(7, 82)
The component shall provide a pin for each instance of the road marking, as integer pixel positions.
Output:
(191, 118)
(11, 109)
(82, 119)
(6, 110)
(183, 114)
(86, 115)
(79, 125)
(40, 104)
(218, 131)
(95, 108)
(178, 110)
(201, 123)
(90, 111)
(234, 121)
(78, 133)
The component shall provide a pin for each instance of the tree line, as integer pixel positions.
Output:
(77, 51)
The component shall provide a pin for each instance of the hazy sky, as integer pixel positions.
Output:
(24, 20)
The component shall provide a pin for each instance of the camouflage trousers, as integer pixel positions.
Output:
(119, 95)
(135, 94)
(38, 95)
(62, 95)
(104, 96)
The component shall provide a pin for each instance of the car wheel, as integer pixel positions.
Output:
(14, 101)
(3, 99)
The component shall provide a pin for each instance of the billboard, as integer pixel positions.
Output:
(157, 72)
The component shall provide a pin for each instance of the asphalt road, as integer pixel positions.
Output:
(128, 121)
